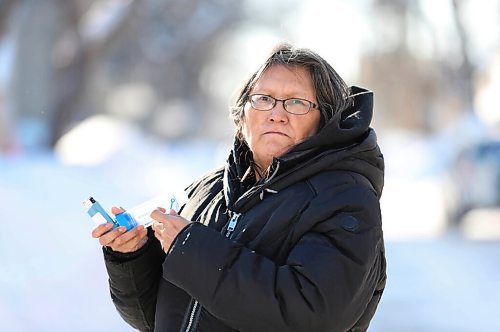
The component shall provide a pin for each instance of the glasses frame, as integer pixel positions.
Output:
(275, 100)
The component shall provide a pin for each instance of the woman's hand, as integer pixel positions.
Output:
(167, 226)
(118, 239)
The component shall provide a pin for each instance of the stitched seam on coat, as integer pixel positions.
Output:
(311, 186)
(141, 308)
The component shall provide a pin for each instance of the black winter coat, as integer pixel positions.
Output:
(300, 250)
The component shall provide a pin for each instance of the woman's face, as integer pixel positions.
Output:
(272, 133)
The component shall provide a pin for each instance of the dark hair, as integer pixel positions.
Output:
(332, 93)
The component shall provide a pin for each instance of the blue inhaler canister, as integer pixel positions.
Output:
(97, 213)
(125, 219)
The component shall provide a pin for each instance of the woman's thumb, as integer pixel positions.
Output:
(117, 210)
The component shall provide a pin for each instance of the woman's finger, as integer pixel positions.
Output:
(158, 236)
(110, 236)
(159, 215)
(101, 230)
(141, 243)
(157, 226)
(131, 234)
(135, 242)
(158, 229)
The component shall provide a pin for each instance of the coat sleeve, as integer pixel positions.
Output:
(133, 283)
(327, 282)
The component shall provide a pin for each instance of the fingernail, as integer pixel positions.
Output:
(122, 229)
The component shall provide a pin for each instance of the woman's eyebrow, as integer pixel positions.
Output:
(287, 95)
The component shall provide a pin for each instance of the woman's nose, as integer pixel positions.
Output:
(278, 113)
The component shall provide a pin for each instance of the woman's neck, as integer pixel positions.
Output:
(260, 166)
(259, 171)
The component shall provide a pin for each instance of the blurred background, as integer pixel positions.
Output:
(128, 99)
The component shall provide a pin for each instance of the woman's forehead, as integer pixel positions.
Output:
(287, 79)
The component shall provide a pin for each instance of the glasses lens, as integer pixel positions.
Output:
(297, 106)
(262, 102)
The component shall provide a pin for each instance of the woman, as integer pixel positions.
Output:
(286, 237)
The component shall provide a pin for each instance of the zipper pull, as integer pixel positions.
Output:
(232, 223)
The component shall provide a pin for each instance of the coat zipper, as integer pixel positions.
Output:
(196, 307)
(232, 223)
(191, 316)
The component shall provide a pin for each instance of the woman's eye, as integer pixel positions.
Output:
(296, 102)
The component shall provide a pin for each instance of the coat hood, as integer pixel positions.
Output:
(346, 142)
(344, 127)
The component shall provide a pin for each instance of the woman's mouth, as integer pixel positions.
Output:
(275, 133)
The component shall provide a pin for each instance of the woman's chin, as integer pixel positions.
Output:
(271, 151)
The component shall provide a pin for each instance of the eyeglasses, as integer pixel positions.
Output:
(291, 105)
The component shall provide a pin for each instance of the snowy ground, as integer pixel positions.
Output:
(52, 276)
(444, 284)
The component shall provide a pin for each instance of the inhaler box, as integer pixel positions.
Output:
(142, 212)
(138, 215)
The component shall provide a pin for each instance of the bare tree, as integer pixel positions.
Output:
(71, 66)
(73, 77)
(419, 92)
(466, 70)
(171, 41)
(5, 10)
(6, 122)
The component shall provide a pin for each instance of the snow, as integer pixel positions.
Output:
(444, 284)
(52, 276)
